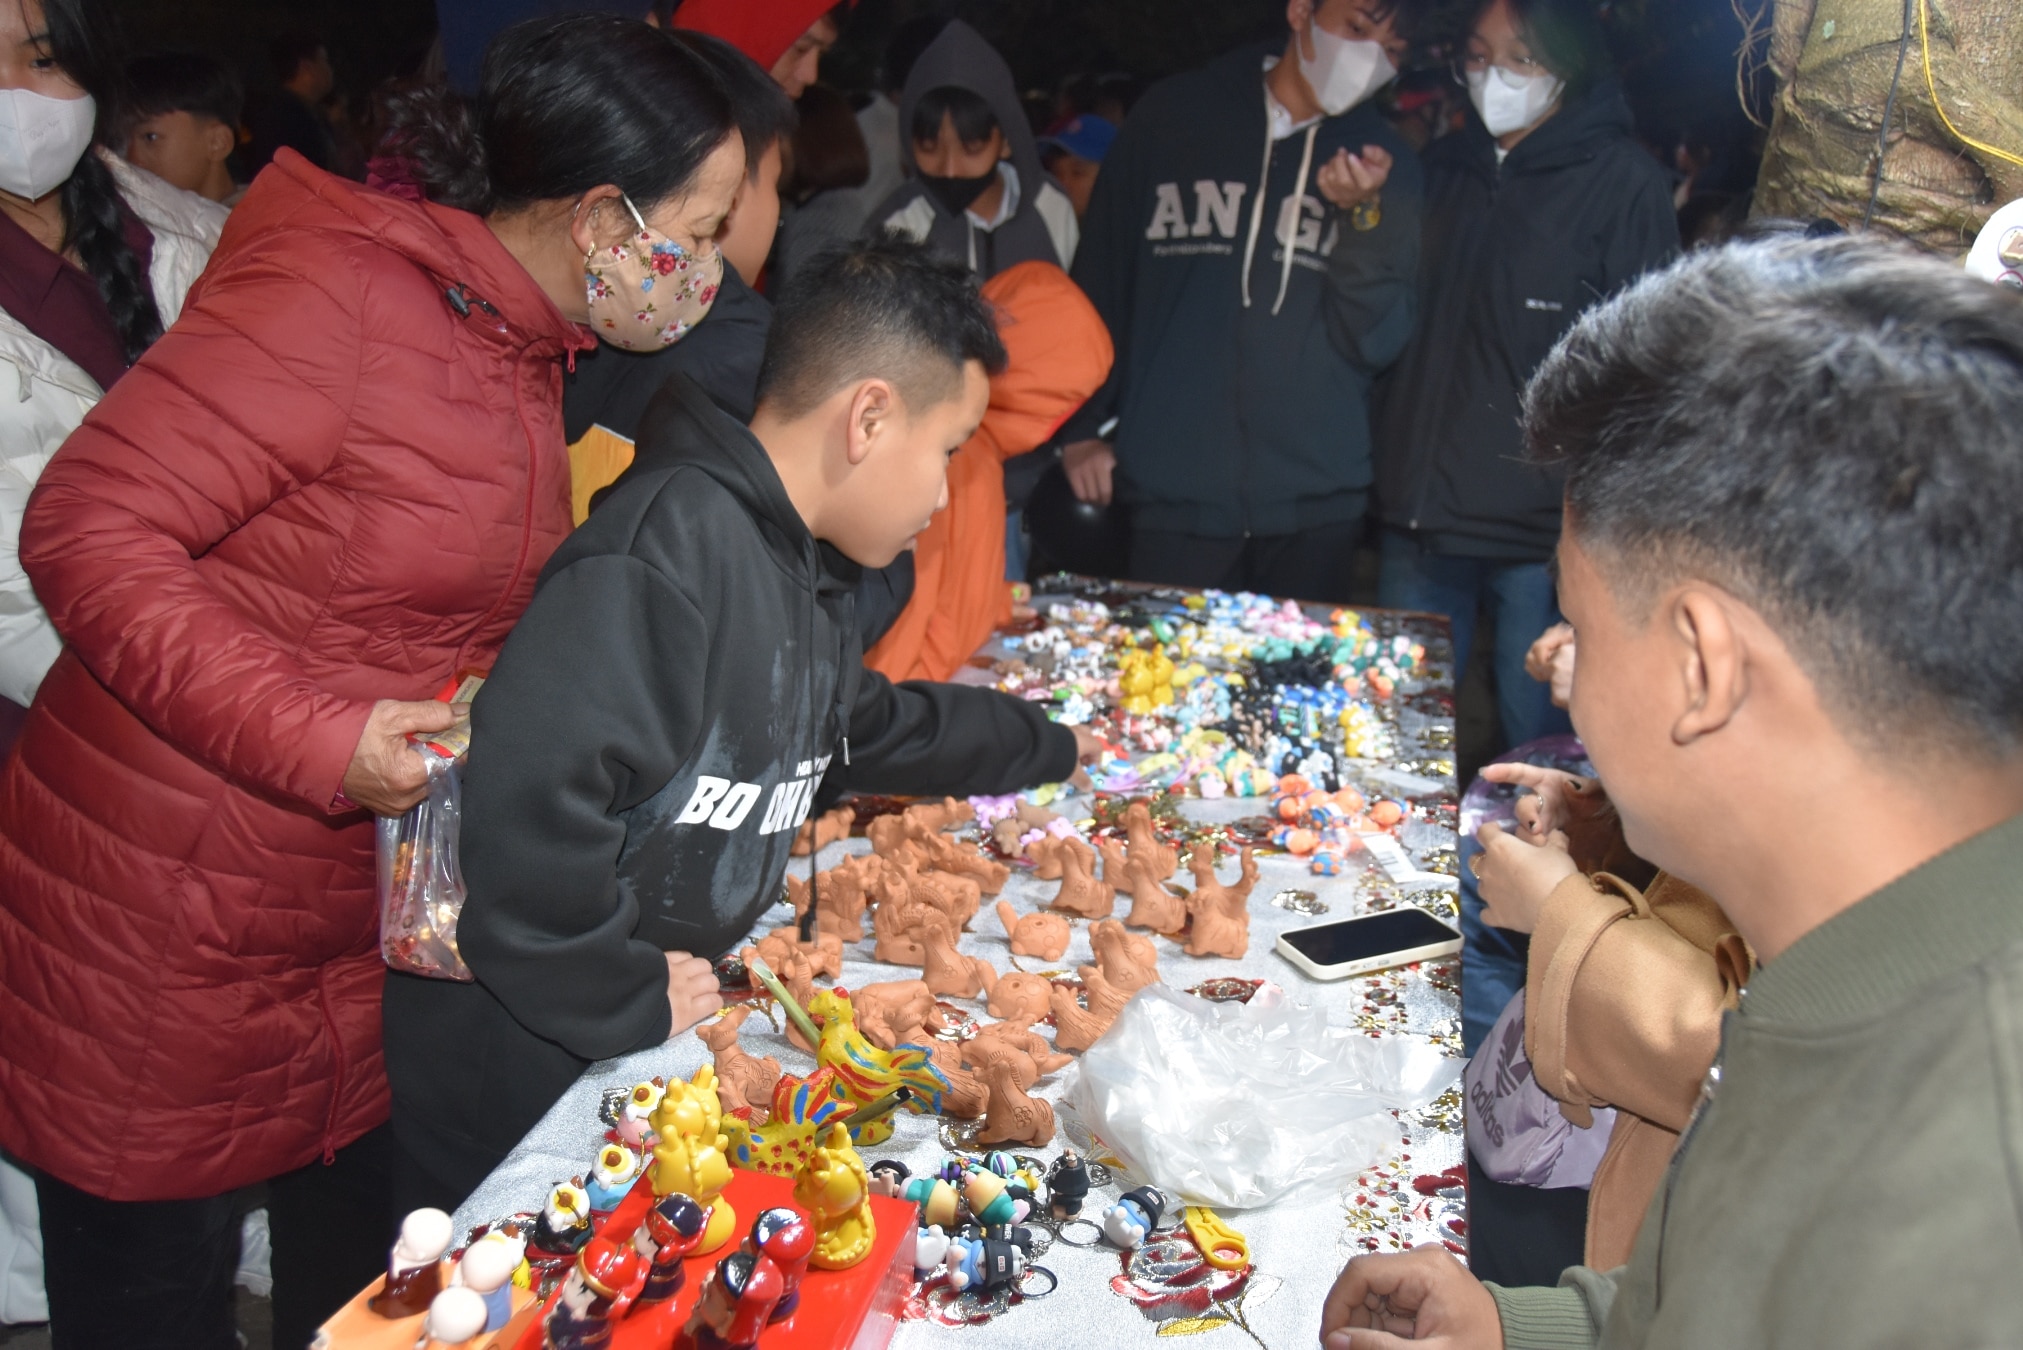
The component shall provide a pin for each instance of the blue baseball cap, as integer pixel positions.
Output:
(1086, 137)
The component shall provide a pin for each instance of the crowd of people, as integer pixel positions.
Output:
(627, 366)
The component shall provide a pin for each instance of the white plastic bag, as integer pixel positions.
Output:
(421, 884)
(1233, 1105)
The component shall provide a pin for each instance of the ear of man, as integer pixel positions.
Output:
(1714, 661)
(873, 406)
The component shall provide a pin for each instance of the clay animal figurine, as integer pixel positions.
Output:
(1001, 1037)
(455, 1317)
(1067, 1185)
(967, 1093)
(691, 1156)
(1152, 905)
(1105, 1000)
(1128, 961)
(892, 923)
(1080, 892)
(887, 833)
(486, 1269)
(934, 817)
(1075, 1027)
(957, 897)
(946, 971)
(736, 1303)
(1049, 856)
(413, 1275)
(1137, 1212)
(1020, 998)
(794, 970)
(1044, 936)
(892, 1013)
(742, 1080)
(1163, 859)
(672, 1231)
(834, 1189)
(786, 1238)
(611, 1178)
(1111, 851)
(960, 859)
(1221, 913)
(864, 1072)
(1010, 1116)
(840, 897)
(823, 830)
(823, 951)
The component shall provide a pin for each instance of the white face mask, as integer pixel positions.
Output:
(1344, 71)
(1508, 101)
(41, 139)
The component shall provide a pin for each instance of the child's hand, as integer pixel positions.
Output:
(1350, 180)
(692, 992)
(1550, 661)
(1089, 749)
(1515, 877)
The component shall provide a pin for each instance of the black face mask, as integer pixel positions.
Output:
(957, 193)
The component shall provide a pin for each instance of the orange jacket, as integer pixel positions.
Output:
(1059, 353)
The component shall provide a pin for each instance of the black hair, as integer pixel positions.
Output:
(829, 149)
(190, 82)
(287, 52)
(765, 115)
(1829, 430)
(1565, 36)
(84, 44)
(564, 104)
(971, 112)
(884, 307)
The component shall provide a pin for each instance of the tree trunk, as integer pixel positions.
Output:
(1832, 60)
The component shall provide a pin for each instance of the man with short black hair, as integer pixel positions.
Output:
(1793, 557)
(686, 677)
(293, 117)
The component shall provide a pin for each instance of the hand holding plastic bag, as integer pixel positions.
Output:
(1233, 1105)
(421, 885)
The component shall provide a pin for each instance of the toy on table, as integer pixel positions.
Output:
(864, 1072)
(823, 952)
(892, 925)
(1137, 1212)
(934, 817)
(786, 1238)
(635, 1120)
(940, 1203)
(802, 1108)
(1050, 856)
(1152, 905)
(455, 1317)
(1067, 1185)
(1221, 913)
(1221, 1246)
(1080, 892)
(998, 1038)
(818, 832)
(671, 1232)
(1144, 680)
(990, 1199)
(840, 896)
(1128, 961)
(1019, 998)
(984, 1263)
(834, 1188)
(743, 1080)
(611, 1177)
(966, 860)
(1044, 936)
(564, 1224)
(930, 1248)
(946, 971)
(597, 1292)
(1011, 1116)
(1162, 859)
(1075, 1027)
(486, 1269)
(892, 1013)
(967, 1094)
(737, 1302)
(957, 897)
(413, 1277)
(690, 1155)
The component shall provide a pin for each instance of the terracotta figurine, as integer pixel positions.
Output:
(892, 1013)
(946, 971)
(1011, 1116)
(1020, 998)
(742, 1080)
(1152, 905)
(1128, 961)
(1163, 859)
(1221, 913)
(1042, 936)
(1080, 892)
(818, 833)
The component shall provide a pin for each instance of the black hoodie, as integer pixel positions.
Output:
(1513, 254)
(652, 734)
(1241, 382)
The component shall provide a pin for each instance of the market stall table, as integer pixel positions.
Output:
(1410, 1194)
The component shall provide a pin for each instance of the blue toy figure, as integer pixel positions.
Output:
(1131, 1220)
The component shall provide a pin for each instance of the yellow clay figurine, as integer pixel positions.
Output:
(834, 1188)
(691, 1156)
(1145, 679)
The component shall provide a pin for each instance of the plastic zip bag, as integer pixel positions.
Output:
(1233, 1105)
(421, 884)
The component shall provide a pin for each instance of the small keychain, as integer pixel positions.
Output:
(1221, 1246)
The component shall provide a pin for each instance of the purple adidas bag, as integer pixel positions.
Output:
(1515, 1129)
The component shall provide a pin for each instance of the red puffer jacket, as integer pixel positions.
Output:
(334, 481)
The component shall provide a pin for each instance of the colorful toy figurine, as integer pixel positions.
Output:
(1221, 913)
(564, 1225)
(1044, 936)
(736, 1303)
(672, 1231)
(486, 1269)
(743, 1081)
(635, 1119)
(1081, 894)
(616, 1169)
(989, 1199)
(1067, 1185)
(930, 1248)
(1137, 1212)
(984, 1264)
(413, 1277)
(786, 1238)
(597, 1292)
(1010, 1116)
(455, 1317)
(865, 1073)
(834, 1188)
(689, 1156)
(802, 1108)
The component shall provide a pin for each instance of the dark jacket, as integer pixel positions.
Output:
(1042, 229)
(652, 734)
(1241, 419)
(611, 386)
(1512, 256)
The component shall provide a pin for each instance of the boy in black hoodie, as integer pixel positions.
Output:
(1251, 244)
(684, 680)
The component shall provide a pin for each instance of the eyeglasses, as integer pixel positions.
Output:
(1474, 62)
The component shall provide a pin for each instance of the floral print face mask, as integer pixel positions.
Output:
(646, 291)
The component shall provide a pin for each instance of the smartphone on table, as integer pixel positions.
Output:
(1397, 937)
